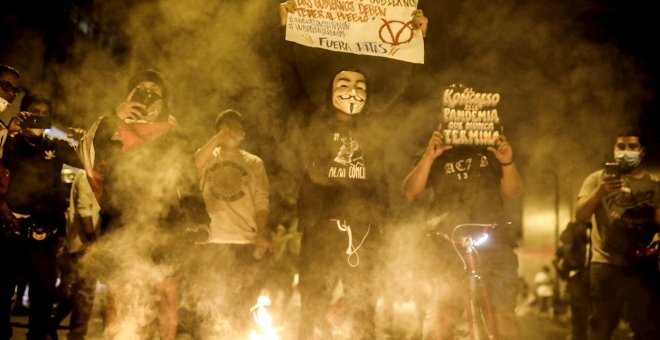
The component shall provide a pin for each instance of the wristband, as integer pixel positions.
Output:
(505, 164)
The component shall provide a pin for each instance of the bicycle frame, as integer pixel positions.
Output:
(478, 309)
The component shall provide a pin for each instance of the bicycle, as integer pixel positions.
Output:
(479, 317)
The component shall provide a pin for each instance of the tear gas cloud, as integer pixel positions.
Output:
(563, 97)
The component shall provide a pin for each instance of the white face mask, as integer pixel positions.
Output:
(349, 92)
(628, 160)
(350, 102)
(4, 104)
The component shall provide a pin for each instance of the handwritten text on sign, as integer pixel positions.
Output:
(380, 28)
(470, 118)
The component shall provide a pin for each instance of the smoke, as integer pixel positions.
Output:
(124, 264)
(563, 97)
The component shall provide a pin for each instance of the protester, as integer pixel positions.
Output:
(9, 91)
(623, 200)
(78, 288)
(35, 162)
(572, 264)
(341, 208)
(544, 290)
(471, 184)
(231, 262)
(141, 169)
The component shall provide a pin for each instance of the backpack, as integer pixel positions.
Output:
(573, 251)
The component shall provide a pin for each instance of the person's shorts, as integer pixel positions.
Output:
(499, 270)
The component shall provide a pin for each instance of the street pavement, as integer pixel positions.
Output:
(401, 326)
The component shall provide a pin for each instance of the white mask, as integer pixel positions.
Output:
(627, 159)
(4, 104)
(348, 102)
(349, 92)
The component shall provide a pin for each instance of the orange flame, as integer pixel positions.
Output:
(264, 320)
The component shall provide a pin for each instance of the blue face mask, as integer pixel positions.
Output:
(628, 160)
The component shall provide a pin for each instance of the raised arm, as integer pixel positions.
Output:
(286, 7)
(593, 190)
(203, 154)
(511, 183)
(415, 183)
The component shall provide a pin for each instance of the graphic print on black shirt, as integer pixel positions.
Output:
(466, 186)
(462, 167)
(228, 179)
(349, 157)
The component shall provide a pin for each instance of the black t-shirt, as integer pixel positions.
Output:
(344, 177)
(466, 189)
(35, 166)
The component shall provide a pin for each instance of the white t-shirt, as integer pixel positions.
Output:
(543, 283)
(235, 188)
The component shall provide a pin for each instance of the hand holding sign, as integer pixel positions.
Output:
(503, 151)
(286, 7)
(389, 29)
(436, 146)
(420, 22)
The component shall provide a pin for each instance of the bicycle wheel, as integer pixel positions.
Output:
(479, 318)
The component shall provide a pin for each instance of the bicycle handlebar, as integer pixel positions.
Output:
(468, 241)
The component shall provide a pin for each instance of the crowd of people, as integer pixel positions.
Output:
(192, 222)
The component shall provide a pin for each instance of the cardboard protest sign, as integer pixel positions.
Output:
(469, 117)
(380, 28)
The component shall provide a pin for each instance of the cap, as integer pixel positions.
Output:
(147, 75)
(229, 114)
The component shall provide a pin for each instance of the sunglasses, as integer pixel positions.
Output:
(8, 87)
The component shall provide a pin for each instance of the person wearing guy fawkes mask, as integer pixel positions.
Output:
(35, 197)
(139, 163)
(625, 207)
(341, 206)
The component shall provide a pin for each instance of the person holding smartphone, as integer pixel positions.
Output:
(624, 201)
(36, 197)
(140, 166)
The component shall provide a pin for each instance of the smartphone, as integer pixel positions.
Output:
(154, 110)
(144, 96)
(37, 122)
(612, 168)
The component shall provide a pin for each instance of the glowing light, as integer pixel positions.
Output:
(481, 240)
(264, 320)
